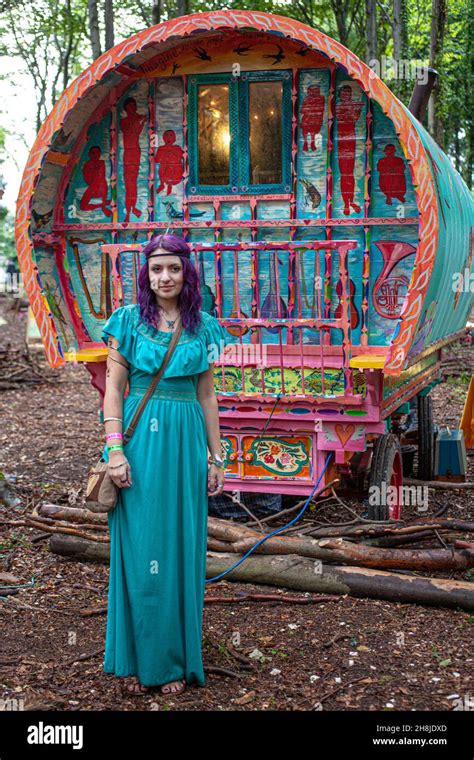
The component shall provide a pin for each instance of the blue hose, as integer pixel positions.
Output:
(278, 530)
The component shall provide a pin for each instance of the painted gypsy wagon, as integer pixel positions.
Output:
(327, 226)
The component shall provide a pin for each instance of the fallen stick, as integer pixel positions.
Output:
(270, 598)
(436, 483)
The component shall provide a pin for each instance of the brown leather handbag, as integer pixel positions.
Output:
(101, 491)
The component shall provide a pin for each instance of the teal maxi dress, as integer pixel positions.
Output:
(158, 528)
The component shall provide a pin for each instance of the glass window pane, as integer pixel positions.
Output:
(265, 132)
(213, 134)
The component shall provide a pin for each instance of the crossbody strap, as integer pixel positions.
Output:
(131, 428)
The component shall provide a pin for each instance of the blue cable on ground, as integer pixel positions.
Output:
(278, 530)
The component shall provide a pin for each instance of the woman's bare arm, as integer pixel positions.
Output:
(207, 398)
(115, 386)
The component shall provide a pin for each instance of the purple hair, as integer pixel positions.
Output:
(189, 300)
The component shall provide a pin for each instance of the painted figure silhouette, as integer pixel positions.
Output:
(392, 176)
(312, 113)
(170, 158)
(131, 126)
(347, 112)
(93, 172)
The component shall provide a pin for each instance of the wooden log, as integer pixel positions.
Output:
(80, 548)
(228, 531)
(302, 573)
(338, 550)
(411, 559)
(305, 574)
(71, 514)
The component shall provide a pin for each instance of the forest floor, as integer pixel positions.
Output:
(350, 654)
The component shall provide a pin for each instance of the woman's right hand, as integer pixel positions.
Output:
(121, 476)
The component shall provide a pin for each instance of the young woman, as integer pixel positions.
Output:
(158, 529)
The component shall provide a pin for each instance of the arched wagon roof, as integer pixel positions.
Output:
(412, 136)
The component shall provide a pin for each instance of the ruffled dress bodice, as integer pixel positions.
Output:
(144, 347)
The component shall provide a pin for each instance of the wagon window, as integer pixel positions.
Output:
(265, 116)
(240, 128)
(213, 134)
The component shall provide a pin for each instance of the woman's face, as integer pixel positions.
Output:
(166, 275)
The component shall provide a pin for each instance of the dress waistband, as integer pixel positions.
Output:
(170, 395)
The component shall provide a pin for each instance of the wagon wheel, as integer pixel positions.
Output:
(386, 470)
(425, 438)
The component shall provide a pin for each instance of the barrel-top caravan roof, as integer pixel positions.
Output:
(445, 207)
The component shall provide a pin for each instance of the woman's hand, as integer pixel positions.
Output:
(121, 476)
(215, 480)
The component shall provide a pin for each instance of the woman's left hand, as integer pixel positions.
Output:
(215, 480)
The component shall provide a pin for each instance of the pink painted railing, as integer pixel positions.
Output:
(280, 312)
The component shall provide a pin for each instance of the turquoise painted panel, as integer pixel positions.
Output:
(84, 261)
(392, 256)
(312, 143)
(88, 197)
(169, 143)
(446, 309)
(391, 189)
(133, 160)
(348, 159)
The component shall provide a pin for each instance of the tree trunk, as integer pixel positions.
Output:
(438, 25)
(94, 29)
(156, 12)
(182, 7)
(340, 13)
(109, 24)
(371, 30)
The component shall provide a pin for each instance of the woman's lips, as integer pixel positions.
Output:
(170, 288)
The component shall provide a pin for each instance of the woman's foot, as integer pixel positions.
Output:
(137, 688)
(174, 687)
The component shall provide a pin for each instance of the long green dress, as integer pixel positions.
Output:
(158, 529)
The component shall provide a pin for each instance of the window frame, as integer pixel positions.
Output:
(239, 152)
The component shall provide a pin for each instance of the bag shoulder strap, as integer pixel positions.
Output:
(131, 428)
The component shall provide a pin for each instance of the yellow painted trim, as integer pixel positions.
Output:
(367, 361)
(86, 355)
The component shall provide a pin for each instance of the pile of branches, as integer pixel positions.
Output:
(19, 366)
(395, 560)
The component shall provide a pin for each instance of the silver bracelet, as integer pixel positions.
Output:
(119, 419)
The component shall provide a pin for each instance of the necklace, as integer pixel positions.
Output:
(171, 322)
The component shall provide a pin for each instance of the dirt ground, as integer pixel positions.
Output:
(350, 654)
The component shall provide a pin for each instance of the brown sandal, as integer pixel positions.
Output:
(167, 688)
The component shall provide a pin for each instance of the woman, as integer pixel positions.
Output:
(158, 529)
